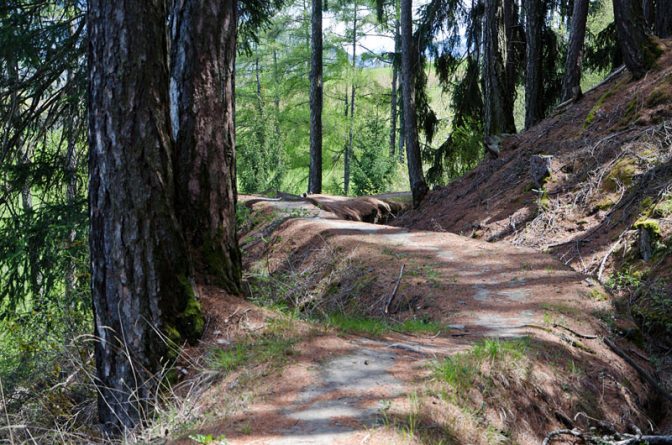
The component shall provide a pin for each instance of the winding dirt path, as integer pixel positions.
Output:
(342, 389)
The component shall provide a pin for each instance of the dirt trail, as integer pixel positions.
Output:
(343, 389)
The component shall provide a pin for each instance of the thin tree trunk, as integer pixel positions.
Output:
(571, 84)
(402, 126)
(316, 100)
(510, 17)
(202, 93)
(408, 66)
(393, 98)
(139, 265)
(639, 51)
(71, 193)
(498, 114)
(257, 74)
(664, 18)
(276, 81)
(534, 85)
(348, 149)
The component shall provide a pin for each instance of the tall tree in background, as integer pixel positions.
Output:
(408, 66)
(571, 84)
(498, 103)
(316, 100)
(353, 89)
(395, 81)
(202, 113)
(639, 51)
(534, 75)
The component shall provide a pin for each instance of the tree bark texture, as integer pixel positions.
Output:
(408, 66)
(571, 84)
(498, 103)
(316, 100)
(664, 18)
(534, 80)
(202, 113)
(639, 51)
(139, 264)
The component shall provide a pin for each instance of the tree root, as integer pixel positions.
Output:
(642, 372)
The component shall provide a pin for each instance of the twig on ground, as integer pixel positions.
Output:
(394, 291)
(586, 336)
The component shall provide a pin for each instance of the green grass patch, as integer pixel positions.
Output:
(461, 371)
(274, 347)
(376, 327)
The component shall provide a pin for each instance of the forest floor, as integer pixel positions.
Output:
(374, 334)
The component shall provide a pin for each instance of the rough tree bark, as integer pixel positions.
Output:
(498, 113)
(663, 18)
(315, 171)
(139, 276)
(202, 113)
(649, 11)
(571, 83)
(408, 66)
(639, 51)
(534, 80)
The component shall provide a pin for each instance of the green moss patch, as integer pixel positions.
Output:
(650, 225)
(592, 114)
(190, 322)
(621, 174)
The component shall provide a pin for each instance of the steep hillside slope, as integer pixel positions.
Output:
(591, 184)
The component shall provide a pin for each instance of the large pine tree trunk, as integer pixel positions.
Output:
(663, 18)
(202, 112)
(639, 51)
(497, 100)
(534, 85)
(408, 66)
(139, 276)
(315, 171)
(571, 84)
